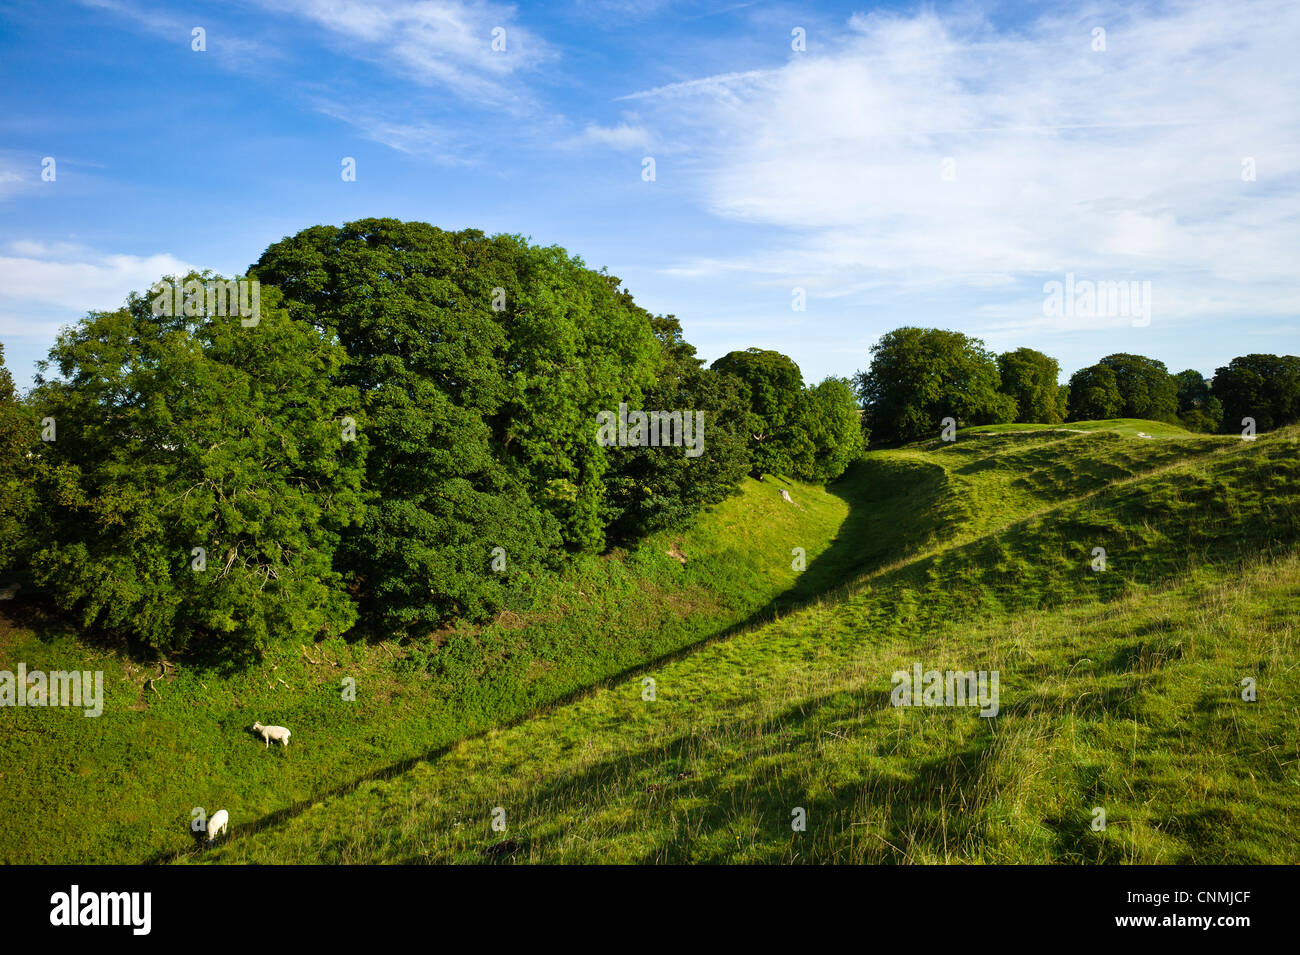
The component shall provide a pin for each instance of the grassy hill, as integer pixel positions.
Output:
(121, 787)
(1120, 689)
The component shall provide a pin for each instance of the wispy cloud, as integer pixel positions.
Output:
(473, 49)
(1113, 164)
(622, 136)
(470, 48)
(44, 285)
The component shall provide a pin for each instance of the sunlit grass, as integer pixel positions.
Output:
(1120, 691)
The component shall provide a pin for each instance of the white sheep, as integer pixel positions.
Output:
(272, 733)
(218, 824)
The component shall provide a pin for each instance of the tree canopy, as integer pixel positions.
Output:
(772, 385)
(919, 376)
(1263, 387)
(1030, 378)
(195, 479)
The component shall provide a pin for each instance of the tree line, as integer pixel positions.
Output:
(919, 376)
(406, 434)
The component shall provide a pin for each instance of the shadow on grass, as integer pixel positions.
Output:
(864, 540)
(940, 800)
(876, 531)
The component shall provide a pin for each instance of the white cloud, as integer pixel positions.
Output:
(1123, 164)
(44, 285)
(446, 43)
(622, 136)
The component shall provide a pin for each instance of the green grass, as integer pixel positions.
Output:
(1129, 427)
(1132, 707)
(120, 787)
(1120, 689)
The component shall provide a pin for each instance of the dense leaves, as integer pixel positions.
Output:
(834, 423)
(198, 480)
(18, 440)
(1263, 387)
(1094, 394)
(919, 376)
(772, 384)
(650, 489)
(1198, 410)
(1030, 378)
(482, 364)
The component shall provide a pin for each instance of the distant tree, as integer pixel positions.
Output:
(778, 406)
(1145, 386)
(835, 426)
(919, 376)
(1193, 389)
(1198, 410)
(650, 488)
(1094, 394)
(1030, 378)
(198, 479)
(1263, 387)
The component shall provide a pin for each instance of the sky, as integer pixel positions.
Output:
(822, 173)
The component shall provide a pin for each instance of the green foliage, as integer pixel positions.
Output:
(1146, 387)
(1193, 389)
(482, 363)
(650, 489)
(1030, 377)
(919, 376)
(1094, 394)
(1198, 410)
(834, 424)
(1124, 386)
(1263, 387)
(176, 433)
(19, 436)
(778, 430)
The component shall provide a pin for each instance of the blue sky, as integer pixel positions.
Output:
(930, 164)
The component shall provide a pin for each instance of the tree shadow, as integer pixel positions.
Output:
(873, 536)
(827, 575)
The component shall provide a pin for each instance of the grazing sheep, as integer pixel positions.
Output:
(218, 824)
(272, 733)
(785, 496)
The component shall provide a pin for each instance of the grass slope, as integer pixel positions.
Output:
(121, 787)
(1120, 689)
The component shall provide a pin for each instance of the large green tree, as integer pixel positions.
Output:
(1030, 378)
(778, 406)
(196, 475)
(919, 376)
(835, 427)
(1094, 394)
(482, 364)
(1145, 386)
(1263, 387)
